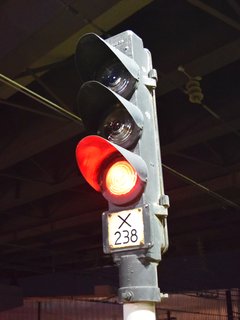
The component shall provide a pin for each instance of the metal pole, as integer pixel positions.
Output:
(139, 311)
(138, 287)
(168, 315)
(229, 305)
(39, 310)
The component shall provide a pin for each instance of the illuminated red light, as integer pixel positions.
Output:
(120, 178)
(120, 183)
(111, 170)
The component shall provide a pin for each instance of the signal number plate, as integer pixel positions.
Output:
(126, 229)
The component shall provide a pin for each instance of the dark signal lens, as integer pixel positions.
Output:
(119, 127)
(116, 77)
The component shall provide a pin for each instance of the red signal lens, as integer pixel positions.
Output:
(120, 178)
(118, 173)
(120, 182)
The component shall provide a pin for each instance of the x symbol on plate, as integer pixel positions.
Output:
(124, 221)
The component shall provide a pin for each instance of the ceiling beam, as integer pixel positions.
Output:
(36, 138)
(228, 181)
(56, 40)
(42, 229)
(200, 137)
(215, 13)
(200, 66)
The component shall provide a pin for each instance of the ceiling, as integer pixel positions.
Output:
(50, 217)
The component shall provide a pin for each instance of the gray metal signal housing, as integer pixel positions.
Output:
(137, 264)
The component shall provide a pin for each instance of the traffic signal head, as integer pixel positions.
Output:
(122, 158)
